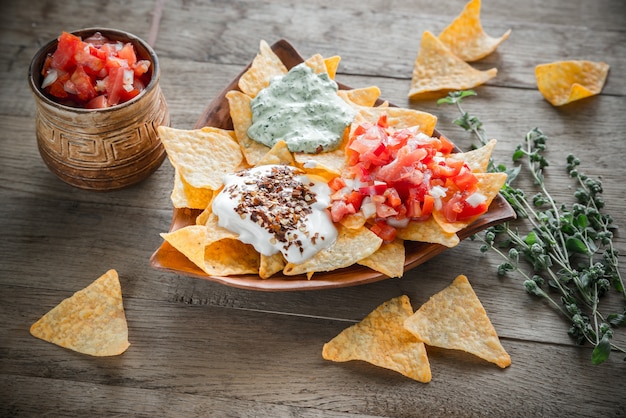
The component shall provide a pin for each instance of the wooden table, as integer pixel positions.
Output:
(202, 348)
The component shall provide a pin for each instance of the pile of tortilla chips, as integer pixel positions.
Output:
(442, 62)
(562, 82)
(201, 157)
(395, 337)
(91, 321)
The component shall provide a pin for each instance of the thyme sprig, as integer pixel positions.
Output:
(568, 247)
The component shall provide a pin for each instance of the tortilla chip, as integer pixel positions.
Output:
(215, 250)
(562, 82)
(428, 231)
(354, 220)
(489, 184)
(388, 259)
(478, 159)
(91, 321)
(437, 70)
(271, 265)
(317, 63)
(324, 164)
(185, 195)
(466, 38)
(202, 157)
(454, 318)
(241, 114)
(399, 118)
(265, 66)
(351, 246)
(381, 339)
(365, 96)
(279, 154)
(332, 63)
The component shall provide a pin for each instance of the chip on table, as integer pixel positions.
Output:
(91, 321)
(455, 318)
(381, 339)
(562, 82)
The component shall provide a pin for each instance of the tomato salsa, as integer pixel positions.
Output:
(93, 73)
(394, 177)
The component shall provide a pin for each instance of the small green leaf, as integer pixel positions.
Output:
(576, 245)
(602, 350)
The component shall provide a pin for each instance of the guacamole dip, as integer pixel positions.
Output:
(301, 108)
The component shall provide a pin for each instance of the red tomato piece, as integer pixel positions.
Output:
(385, 231)
(85, 89)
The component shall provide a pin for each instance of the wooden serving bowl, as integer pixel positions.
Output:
(101, 149)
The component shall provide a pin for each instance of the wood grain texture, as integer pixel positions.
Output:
(200, 348)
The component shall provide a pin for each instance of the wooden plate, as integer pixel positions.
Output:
(217, 114)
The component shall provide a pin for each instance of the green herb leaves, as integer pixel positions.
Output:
(568, 247)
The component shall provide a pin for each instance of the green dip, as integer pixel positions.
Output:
(303, 109)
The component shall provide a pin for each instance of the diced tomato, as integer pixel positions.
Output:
(128, 53)
(339, 209)
(373, 190)
(457, 209)
(355, 199)
(446, 146)
(393, 198)
(98, 102)
(385, 231)
(465, 179)
(336, 183)
(78, 71)
(428, 205)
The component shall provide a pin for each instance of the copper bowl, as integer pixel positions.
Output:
(101, 149)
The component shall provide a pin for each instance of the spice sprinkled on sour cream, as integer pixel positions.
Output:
(277, 208)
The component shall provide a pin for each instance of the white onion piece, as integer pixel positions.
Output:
(50, 78)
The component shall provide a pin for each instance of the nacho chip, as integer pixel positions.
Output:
(91, 321)
(399, 118)
(279, 154)
(466, 38)
(265, 66)
(562, 82)
(428, 231)
(381, 339)
(351, 246)
(215, 250)
(332, 63)
(241, 114)
(388, 259)
(489, 184)
(317, 63)
(201, 156)
(185, 195)
(365, 96)
(271, 265)
(477, 159)
(437, 70)
(454, 318)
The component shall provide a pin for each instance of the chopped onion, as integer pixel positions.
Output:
(129, 78)
(50, 78)
(438, 191)
(476, 199)
(368, 207)
(397, 223)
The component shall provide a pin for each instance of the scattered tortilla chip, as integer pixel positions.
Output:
(388, 259)
(381, 339)
(265, 66)
(466, 38)
(202, 157)
(241, 114)
(185, 195)
(562, 82)
(478, 159)
(365, 96)
(489, 184)
(454, 318)
(91, 321)
(351, 246)
(428, 231)
(437, 70)
(354, 220)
